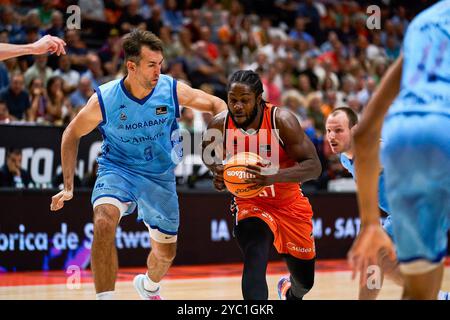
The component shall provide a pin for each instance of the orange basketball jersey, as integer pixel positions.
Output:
(281, 206)
(265, 142)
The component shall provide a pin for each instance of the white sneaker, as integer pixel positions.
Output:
(138, 283)
(443, 295)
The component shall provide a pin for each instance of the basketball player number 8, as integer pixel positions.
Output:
(266, 194)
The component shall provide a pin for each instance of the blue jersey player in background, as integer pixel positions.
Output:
(415, 156)
(340, 125)
(137, 117)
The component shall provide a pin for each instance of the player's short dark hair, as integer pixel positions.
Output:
(249, 78)
(13, 150)
(136, 39)
(351, 115)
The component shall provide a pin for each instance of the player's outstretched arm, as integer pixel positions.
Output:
(86, 120)
(199, 100)
(366, 141)
(372, 239)
(47, 44)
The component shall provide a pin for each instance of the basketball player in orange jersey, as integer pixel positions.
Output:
(280, 214)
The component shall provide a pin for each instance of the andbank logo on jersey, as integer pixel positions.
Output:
(161, 110)
(146, 124)
(140, 139)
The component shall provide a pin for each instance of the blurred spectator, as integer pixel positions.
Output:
(113, 11)
(76, 50)
(58, 107)
(228, 59)
(211, 48)
(71, 77)
(146, 8)
(187, 120)
(309, 11)
(176, 70)
(155, 23)
(204, 70)
(271, 86)
(4, 113)
(314, 112)
(10, 23)
(56, 25)
(392, 48)
(95, 71)
(92, 11)
(375, 48)
(11, 174)
(45, 11)
(260, 62)
(16, 98)
(304, 85)
(39, 69)
(31, 35)
(131, 19)
(365, 94)
(4, 76)
(296, 104)
(274, 49)
(93, 17)
(172, 48)
(298, 33)
(172, 16)
(38, 101)
(79, 98)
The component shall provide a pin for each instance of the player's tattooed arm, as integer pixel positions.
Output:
(212, 149)
(298, 146)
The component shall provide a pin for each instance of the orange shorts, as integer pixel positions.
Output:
(291, 224)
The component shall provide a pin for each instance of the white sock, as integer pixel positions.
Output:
(442, 295)
(106, 295)
(149, 285)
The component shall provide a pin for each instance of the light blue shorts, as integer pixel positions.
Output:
(155, 197)
(416, 160)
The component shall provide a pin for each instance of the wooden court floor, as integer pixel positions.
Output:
(206, 282)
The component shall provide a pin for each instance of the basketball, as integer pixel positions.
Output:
(234, 175)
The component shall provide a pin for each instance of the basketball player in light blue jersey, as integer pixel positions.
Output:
(415, 156)
(137, 117)
(340, 125)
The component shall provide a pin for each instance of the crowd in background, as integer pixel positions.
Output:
(312, 56)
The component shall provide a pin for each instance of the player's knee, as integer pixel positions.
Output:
(104, 222)
(166, 255)
(300, 287)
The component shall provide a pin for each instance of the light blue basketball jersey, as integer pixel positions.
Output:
(382, 200)
(426, 66)
(139, 134)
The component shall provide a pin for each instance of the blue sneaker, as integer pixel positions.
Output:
(283, 286)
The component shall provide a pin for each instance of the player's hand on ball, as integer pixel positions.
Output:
(260, 178)
(59, 198)
(218, 178)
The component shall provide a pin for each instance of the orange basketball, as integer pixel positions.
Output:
(234, 175)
